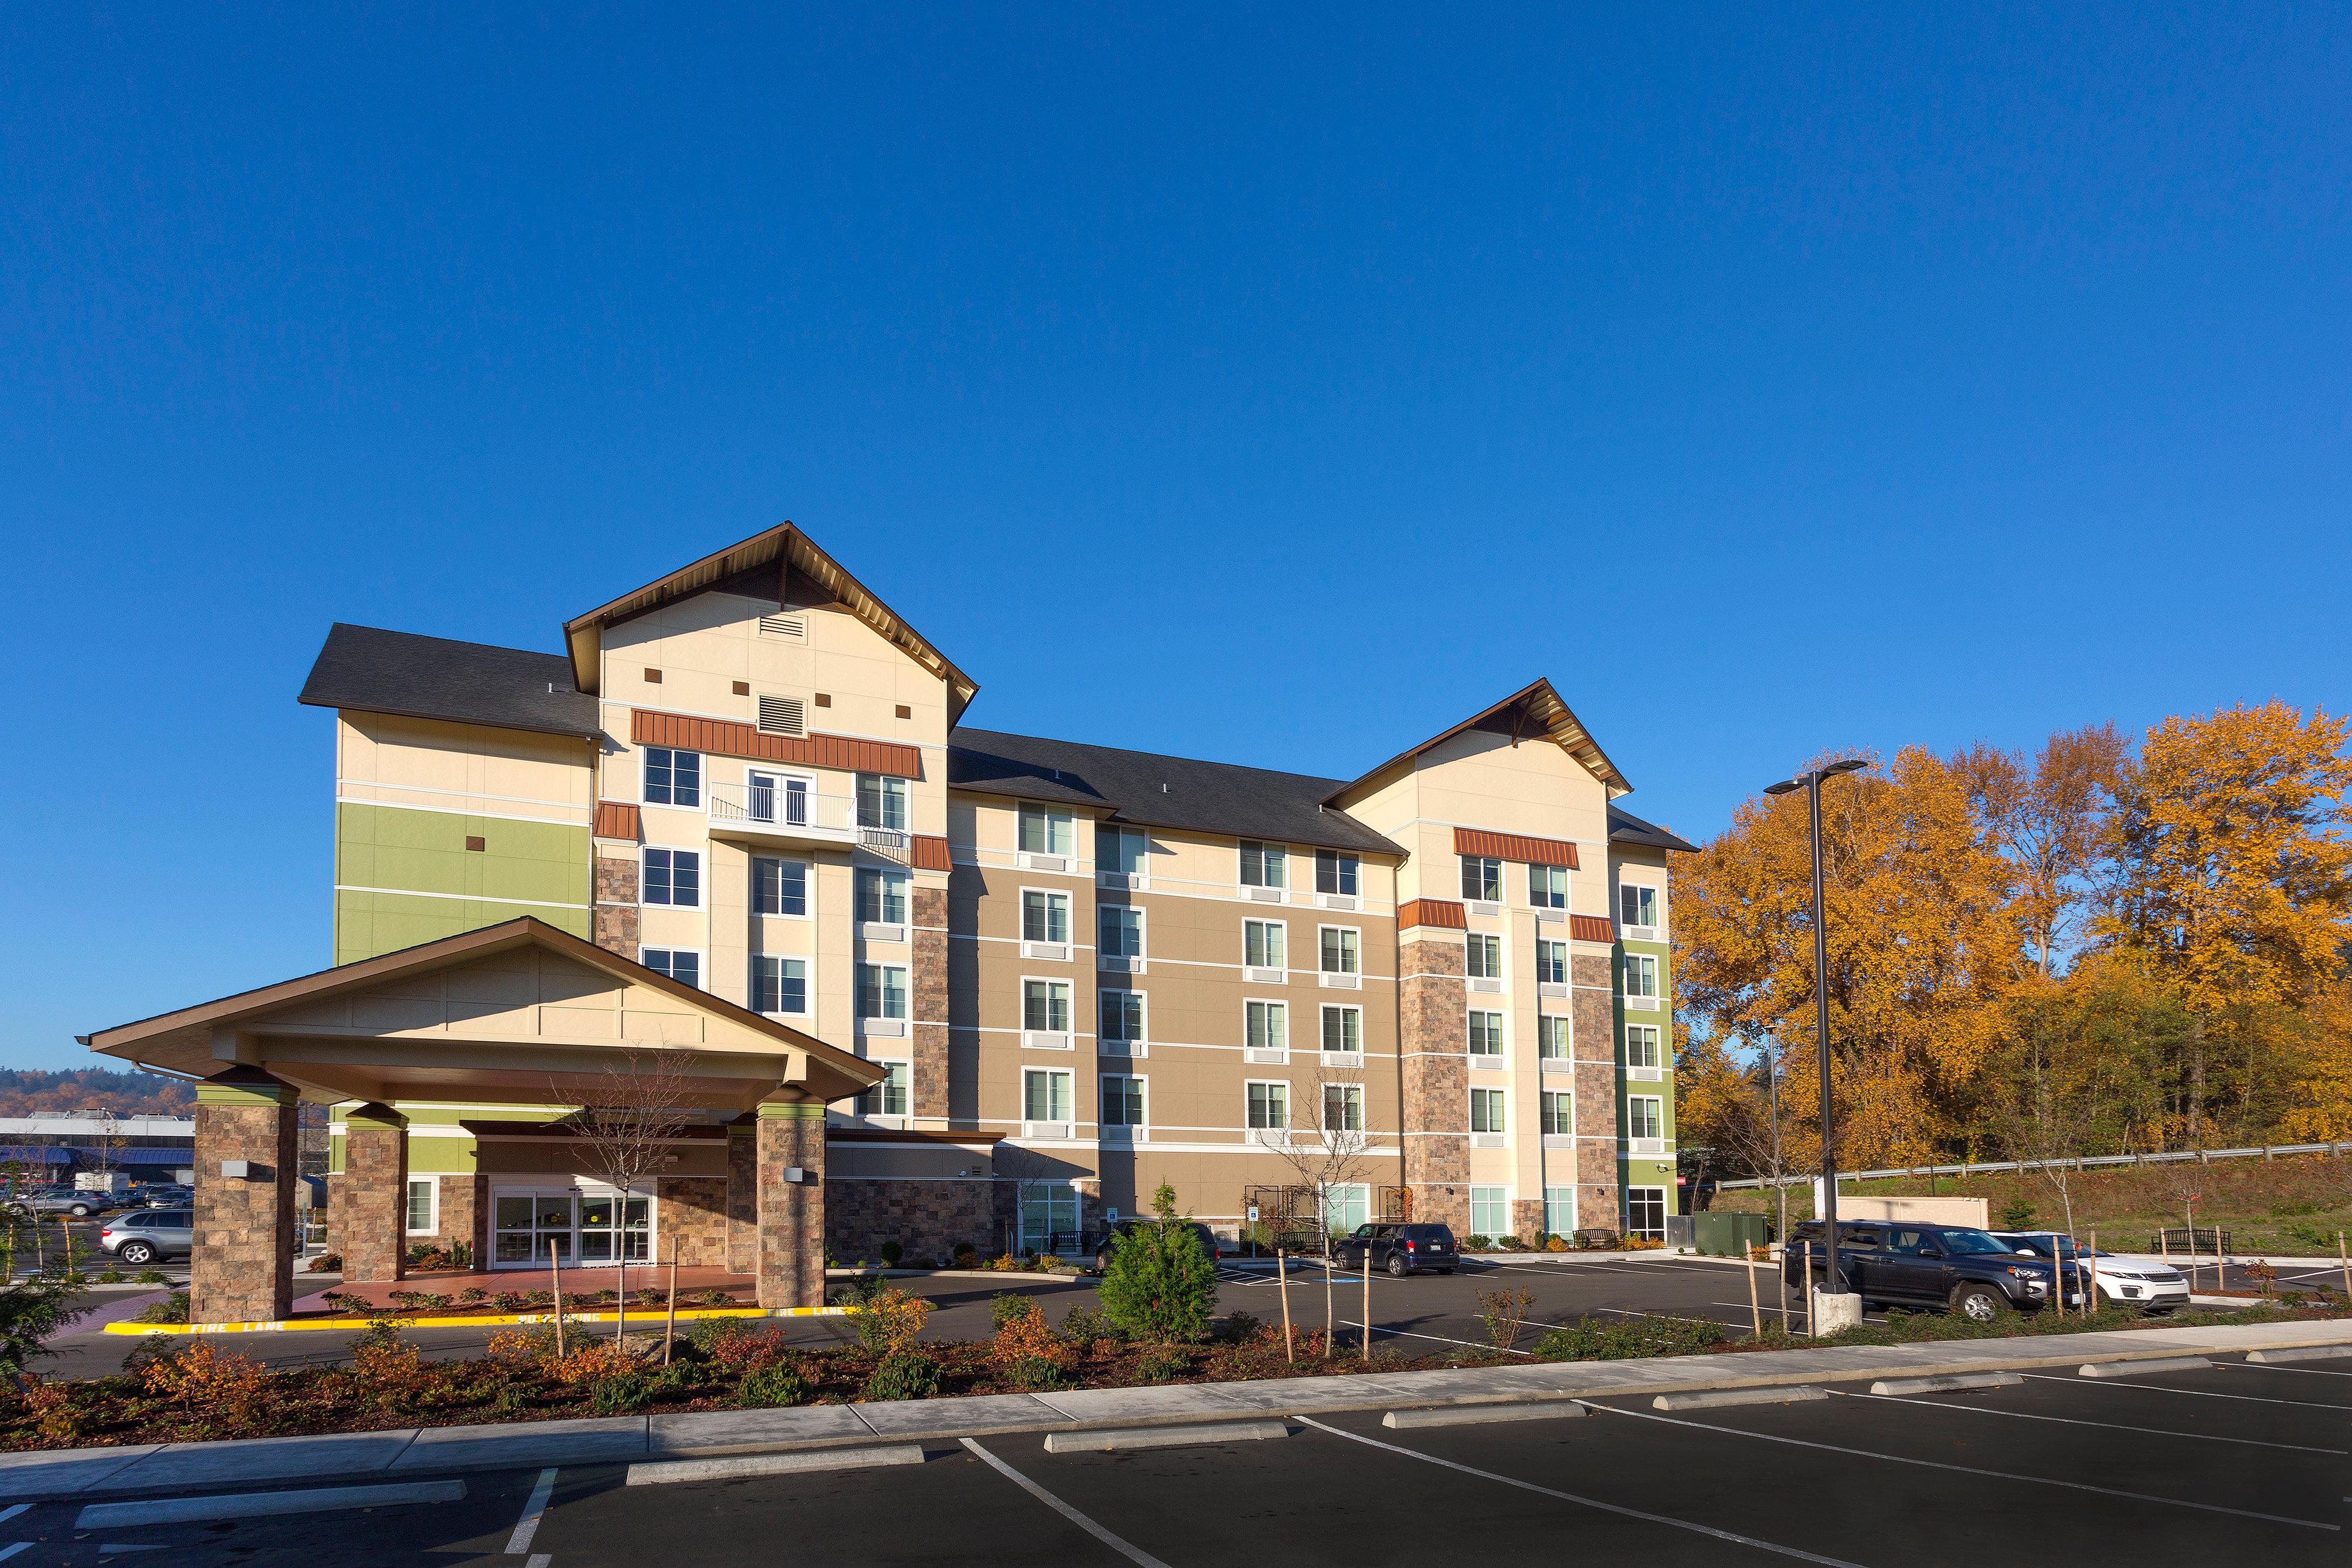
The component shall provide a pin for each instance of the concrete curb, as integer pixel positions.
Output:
(2307, 1352)
(1721, 1398)
(1125, 1439)
(664, 1473)
(1895, 1387)
(446, 1450)
(2142, 1366)
(1484, 1414)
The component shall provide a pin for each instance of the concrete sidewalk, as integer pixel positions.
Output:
(160, 1467)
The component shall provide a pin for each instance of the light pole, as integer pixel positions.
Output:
(1811, 783)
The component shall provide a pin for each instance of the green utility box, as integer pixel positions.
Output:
(1723, 1234)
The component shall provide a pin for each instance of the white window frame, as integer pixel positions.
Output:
(1046, 946)
(808, 888)
(1347, 1091)
(1277, 1004)
(1657, 1119)
(1650, 1036)
(1546, 1029)
(1543, 973)
(1137, 1044)
(1048, 858)
(1477, 1187)
(1070, 1090)
(1502, 883)
(1275, 974)
(1500, 1097)
(1323, 1036)
(1567, 1099)
(1644, 966)
(803, 959)
(780, 781)
(1547, 899)
(1143, 1111)
(1247, 1111)
(1142, 932)
(1501, 1035)
(1264, 847)
(701, 873)
(1345, 868)
(701, 778)
(1108, 875)
(1666, 1210)
(701, 961)
(432, 1186)
(1658, 907)
(1487, 945)
(907, 1092)
(857, 992)
(884, 789)
(1065, 1038)
(1564, 1196)
(1355, 931)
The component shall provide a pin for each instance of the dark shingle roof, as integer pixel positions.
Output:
(1624, 827)
(367, 668)
(1201, 796)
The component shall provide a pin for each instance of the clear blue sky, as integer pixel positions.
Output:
(1269, 386)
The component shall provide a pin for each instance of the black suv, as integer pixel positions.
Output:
(1971, 1271)
(1399, 1248)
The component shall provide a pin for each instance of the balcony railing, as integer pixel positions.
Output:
(786, 811)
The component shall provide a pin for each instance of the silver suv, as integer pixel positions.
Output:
(146, 1235)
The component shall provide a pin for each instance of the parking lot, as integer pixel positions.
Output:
(2234, 1463)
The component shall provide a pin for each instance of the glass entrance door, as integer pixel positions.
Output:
(586, 1228)
(613, 1231)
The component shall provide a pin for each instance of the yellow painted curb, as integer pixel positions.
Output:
(507, 1320)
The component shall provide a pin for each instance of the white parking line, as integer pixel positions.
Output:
(14, 1511)
(1134, 1554)
(1968, 1469)
(1579, 1501)
(12, 1548)
(2197, 1393)
(2076, 1421)
(518, 1543)
(2241, 1365)
(1408, 1334)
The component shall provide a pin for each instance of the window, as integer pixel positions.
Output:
(1046, 1005)
(888, 1097)
(1335, 873)
(779, 985)
(1646, 1211)
(1049, 1215)
(1345, 1206)
(421, 1195)
(1637, 905)
(1122, 1015)
(1548, 886)
(881, 897)
(1045, 832)
(1123, 931)
(679, 964)
(1262, 945)
(1269, 1105)
(1121, 850)
(1343, 1107)
(1264, 865)
(1551, 1037)
(779, 886)
(1486, 1034)
(770, 791)
(1483, 957)
(673, 877)
(1642, 1045)
(673, 777)
(1551, 963)
(1340, 950)
(1343, 1030)
(1490, 1212)
(881, 990)
(1641, 974)
(1269, 1026)
(1045, 1096)
(1559, 1210)
(1122, 1101)
(881, 802)
(1486, 1111)
(1645, 1117)
(1045, 917)
(1558, 1114)
(1482, 878)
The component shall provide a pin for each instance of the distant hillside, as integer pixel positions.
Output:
(27, 1093)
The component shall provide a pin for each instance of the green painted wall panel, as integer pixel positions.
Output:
(367, 924)
(545, 866)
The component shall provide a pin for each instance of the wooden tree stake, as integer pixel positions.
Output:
(1282, 1273)
(670, 1338)
(1368, 1302)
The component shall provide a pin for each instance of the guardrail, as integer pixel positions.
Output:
(2078, 1163)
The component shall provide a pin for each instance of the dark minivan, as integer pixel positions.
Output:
(1399, 1248)
(1968, 1271)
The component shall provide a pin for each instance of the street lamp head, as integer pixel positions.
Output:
(1783, 787)
(1851, 765)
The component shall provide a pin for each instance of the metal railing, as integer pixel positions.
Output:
(2075, 1162)
(763, 804)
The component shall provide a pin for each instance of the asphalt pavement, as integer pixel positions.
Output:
(2233, 1463)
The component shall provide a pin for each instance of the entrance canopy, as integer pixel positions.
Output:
(518, 1013)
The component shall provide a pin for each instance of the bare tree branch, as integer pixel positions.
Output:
(635, 1110)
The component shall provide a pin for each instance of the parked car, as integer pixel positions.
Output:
(2126, 1281)
(146, 1235)
(1208, 1238)
(1401, 1248)
(1970, 1272)
(46, 1201)
(162, 1195)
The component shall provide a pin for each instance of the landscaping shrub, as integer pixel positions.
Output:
(1502, 1311)
(35, 1308)
(1006, 1305)
(1028, 1341)
(1239, 1328)
(150, 1277)
(619, 1393)
(967, 1256)
(906, 1374)
(774, 1384)
(220, 1385)
(472, 1296)
(1084, 1325)
(326, 1263)
(714, 1298)
(1159, 1366)
(1626, 1339)
(2017, 1213)
(383, 1360)
(173, 1309)
(1475, 1243)
(891, 1319)
(892, 1253)
(110, 1277)
(1159, 1285)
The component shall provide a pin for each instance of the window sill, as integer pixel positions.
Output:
(1258, 975)
(1056, 952)
(1046, 1040)
(1029, 860)
(891, 1028)
(880, 931)
(1485, 986)
(1332, 982)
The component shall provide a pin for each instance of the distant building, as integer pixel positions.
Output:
(61, 1145)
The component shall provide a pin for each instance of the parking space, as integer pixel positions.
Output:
(2227, 1464)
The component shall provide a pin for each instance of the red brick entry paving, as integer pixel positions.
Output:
(576, 1283)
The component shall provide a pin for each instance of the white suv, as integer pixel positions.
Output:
(2123, 1282)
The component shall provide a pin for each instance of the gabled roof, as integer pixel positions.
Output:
(764, 556)
(1152, 790)
(375, 670)
(1533, 711)
(1624, 827)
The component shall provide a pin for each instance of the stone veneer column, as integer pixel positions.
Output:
(243, 1266)
(743, 1196)
(927, 1093)
(376, 1194)
(1432, 1021)
(616, 905)
(792, 1213)
(1592, 1002)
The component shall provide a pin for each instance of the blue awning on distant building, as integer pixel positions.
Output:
(36, 1154)
(186, 1156)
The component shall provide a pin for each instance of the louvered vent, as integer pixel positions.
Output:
(780, 716)
(793, 626)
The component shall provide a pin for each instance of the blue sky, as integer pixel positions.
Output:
(1268, 385)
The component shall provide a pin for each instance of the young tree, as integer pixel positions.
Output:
(635, 1111)
(1733, 1111)
(1334, 1154)
(1158, 1284)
